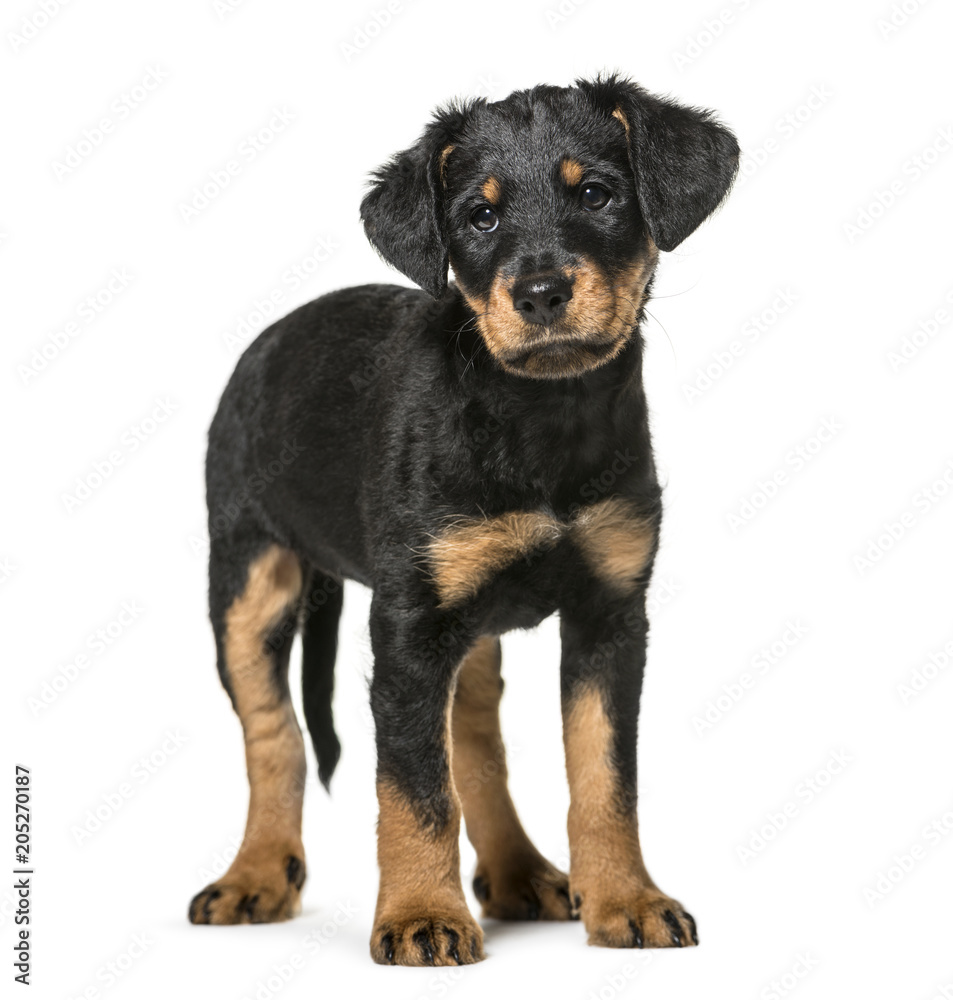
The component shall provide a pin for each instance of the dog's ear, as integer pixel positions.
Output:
(684, 161)
(403, 212)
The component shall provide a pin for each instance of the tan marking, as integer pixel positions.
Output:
(603, 838)
(420, 885)
(473, 550)
(492, 190)
(607, 870)
(442, 162)
(274, 749)
(416, 863)
(620, 115)
(571, 171)
(515, 874)
(597, 324)
(616, 541)
(497, 320)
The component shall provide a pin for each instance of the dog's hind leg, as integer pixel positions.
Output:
(513, 880)
(254, 596)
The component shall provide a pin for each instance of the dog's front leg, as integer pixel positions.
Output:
(602, 666)
(422, 916)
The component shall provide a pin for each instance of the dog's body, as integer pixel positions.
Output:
(451, 449)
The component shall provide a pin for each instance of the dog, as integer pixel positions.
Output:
(447, 447)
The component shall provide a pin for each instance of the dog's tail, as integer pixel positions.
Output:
(320, 614)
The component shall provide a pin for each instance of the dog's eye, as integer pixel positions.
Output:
(484, 219)
(594, 197)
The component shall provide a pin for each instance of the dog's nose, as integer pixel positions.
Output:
(540, 299)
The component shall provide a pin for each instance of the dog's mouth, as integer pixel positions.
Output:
(560, 356)
(595, 325)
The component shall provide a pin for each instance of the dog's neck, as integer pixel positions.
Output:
(554, 436)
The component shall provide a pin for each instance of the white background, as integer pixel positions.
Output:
(842, 217)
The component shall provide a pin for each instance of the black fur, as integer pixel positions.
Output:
(683, 160)
(320, 613)
(401, 418)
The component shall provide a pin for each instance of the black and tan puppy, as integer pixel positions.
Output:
(441, 447)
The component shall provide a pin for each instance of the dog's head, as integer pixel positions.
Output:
(551, 207)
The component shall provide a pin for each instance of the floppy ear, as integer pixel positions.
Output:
(683, 159)
(403, 211)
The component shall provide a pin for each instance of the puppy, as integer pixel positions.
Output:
(448, 448)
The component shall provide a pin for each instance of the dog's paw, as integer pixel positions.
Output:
(425, 936)
(524, 889)
(252, 894)
(643, 919)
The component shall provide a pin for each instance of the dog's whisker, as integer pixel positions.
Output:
(661, 326)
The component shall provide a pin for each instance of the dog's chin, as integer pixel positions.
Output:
(560, 357)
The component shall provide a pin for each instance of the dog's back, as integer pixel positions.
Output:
(289, 442)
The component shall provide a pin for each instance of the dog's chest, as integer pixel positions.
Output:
(611, 538)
